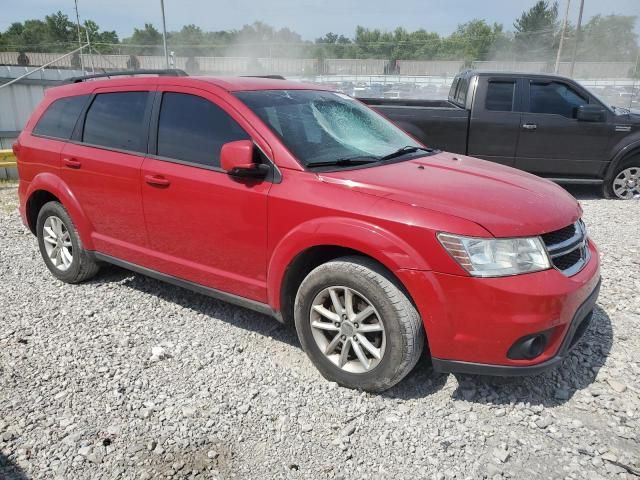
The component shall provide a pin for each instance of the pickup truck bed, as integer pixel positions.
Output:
(437, 123)
(544, 124)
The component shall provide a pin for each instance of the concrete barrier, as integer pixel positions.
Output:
(7, 159)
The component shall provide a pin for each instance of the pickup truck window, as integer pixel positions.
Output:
(500, 96)
(193, 129)
(454, 88)
(319, 126)
(461, 92)
(555, 98)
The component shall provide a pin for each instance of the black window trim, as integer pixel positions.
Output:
(515, 103)
(274, 176)
(582, 92)
(76, 136)
(81, 115)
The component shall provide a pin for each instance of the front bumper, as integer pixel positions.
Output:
(471, 323)
(578, 326)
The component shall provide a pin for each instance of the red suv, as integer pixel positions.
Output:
(304, 204)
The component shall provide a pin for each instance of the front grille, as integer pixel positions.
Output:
(567, 261)
(567, 248)
(559, 236)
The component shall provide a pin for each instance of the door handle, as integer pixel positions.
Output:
(157, 180)
(72, 162)
(529, 126)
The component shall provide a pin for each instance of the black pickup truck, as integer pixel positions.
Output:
(545, 124)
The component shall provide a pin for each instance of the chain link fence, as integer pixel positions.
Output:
(614, 81)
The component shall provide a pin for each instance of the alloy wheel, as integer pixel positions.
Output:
(626, 185)
(347, 329)
(57, 243)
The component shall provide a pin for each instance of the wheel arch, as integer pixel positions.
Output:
(48, 187)
(628, 151)
(311, 245)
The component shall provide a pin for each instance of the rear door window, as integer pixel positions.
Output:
(500, 96)
(60, 118)
(116, 120)
(193, 129)
(555, 98)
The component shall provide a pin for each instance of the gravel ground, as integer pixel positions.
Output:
(126, 377)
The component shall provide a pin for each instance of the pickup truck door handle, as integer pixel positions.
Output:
(72, 162)
(157, 180)
(529, 126)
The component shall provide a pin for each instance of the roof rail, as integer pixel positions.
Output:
(273, 77)
(170, 72)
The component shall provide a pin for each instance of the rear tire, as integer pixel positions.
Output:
(60, 245)
(372, 351)
(625, 182)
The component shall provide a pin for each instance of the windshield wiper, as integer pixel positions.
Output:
(403, 151)
(344, 162)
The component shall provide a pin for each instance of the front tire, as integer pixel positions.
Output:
(625, 183)
(357, 325)
(60, 245)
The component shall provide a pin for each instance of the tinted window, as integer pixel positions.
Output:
(60, 118)
(454, 88)
(555, 98)
(193, 129)
(461, 94)
(116, 120)
(500, 96)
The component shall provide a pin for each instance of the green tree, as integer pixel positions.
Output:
(56, 33)
(471, 41)
(610, 38)
(536, 31)
(145, 41)
(333, 46)
(59, 28)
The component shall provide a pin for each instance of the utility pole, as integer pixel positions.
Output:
(79, 36)
(564, 29)
(164, 34)
(578, 33)
(93, 68)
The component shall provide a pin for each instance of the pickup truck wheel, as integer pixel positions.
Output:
(60, 245)
(356, 325)
(625, 184)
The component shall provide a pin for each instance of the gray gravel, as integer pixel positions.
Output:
(126, 377)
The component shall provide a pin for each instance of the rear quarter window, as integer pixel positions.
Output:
(60, 117)
(461, 94)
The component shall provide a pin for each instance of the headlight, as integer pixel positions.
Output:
(496, 257)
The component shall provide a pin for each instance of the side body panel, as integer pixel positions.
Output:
(442, 128)
(553, 145)
(204, 225)
(493, 135)
(106, 183)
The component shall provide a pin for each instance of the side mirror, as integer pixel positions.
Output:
(236, 158)
(591, 113)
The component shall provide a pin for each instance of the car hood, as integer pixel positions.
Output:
(505, 201)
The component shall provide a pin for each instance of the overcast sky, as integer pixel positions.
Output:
(310, 18)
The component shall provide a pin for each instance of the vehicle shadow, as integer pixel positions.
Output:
(9, 470)
(550, 388)
(584, 192)
(231, 314)
(554, 387)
